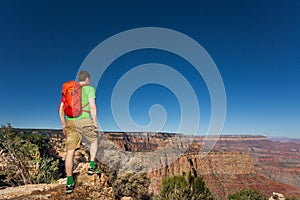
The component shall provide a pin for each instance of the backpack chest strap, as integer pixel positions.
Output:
(85, 105)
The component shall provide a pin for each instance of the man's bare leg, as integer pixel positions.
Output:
(93, 150)
(69, 162)
(69, 171)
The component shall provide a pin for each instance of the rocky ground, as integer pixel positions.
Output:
(87, 187)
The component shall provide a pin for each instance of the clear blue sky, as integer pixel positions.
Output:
(255, 45)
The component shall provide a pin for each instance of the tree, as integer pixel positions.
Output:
(20, 158)
(247, 194)
(184, 187)
(25, 158)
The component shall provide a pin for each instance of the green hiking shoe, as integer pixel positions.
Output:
(92, 171)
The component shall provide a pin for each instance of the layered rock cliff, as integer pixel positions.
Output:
(276, 160)
(235, 162)
(211, 167)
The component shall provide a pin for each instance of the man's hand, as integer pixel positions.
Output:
(64, 129)
(96, 125)
(94, 112)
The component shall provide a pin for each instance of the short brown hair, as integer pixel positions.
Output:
(83, 74)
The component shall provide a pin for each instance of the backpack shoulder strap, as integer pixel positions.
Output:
(86, 103)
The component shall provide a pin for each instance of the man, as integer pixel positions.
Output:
(84, 125)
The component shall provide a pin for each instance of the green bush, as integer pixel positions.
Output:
(48, 171)
(247, 194)
(184, 187)
(25, 158)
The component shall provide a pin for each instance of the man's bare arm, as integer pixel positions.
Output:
(62, 116)
(93, 109)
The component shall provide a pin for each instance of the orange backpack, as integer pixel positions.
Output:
(71, 98)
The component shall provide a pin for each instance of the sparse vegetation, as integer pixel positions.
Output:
(292, 198)
(247, 194)
(26, 158)
(184, 187)
(134, 185)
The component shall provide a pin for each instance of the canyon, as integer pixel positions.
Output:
(227, 163)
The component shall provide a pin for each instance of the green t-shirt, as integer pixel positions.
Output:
(88, 92)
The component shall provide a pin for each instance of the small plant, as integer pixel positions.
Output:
(247, 194)
(292, 198)
(134, 185)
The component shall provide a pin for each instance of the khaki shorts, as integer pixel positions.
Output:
(75, 129)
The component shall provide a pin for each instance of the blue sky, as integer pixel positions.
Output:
(255, 45)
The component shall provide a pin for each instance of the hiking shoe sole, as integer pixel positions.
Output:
(70, 188)
(92, 171)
